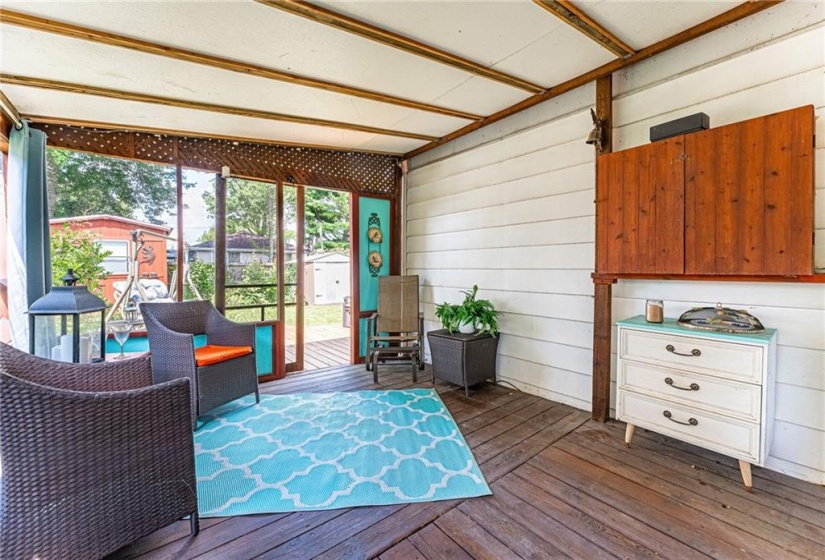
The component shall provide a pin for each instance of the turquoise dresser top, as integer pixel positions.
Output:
(672, 327)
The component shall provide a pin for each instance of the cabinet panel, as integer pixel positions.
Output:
(640, 209)
(749, 197)
(789, 192)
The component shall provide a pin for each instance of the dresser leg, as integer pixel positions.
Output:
(745, 467)
(628, 434)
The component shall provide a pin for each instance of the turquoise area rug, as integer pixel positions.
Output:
(335, 450)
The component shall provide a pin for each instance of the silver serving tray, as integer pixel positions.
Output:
(720, 319)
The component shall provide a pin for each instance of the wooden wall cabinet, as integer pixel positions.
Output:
(732, 200)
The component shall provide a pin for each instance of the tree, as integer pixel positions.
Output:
(78, 249)
(327, 220)
(82, 184)
(250, 207)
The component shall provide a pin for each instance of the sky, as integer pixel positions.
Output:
(196, 219)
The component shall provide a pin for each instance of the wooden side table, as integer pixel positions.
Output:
(463, 359)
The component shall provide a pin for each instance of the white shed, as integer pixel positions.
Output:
(327, 278)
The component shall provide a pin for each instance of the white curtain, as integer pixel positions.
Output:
(29, 260)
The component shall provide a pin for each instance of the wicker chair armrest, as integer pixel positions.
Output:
(172, 352)
(110, 376)
(124, 375)
(75, 461)
(222, 331)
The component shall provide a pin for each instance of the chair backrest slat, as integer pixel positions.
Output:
(185, 317)
(397, 304)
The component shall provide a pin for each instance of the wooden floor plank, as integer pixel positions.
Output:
(506, 458)
(389, 531)
(570, 519)
(546, 527)
(403, 551)
(811, 495)
(802, 525)
(562, 485)
(605, 516)
(522, 541)
(261, 540)
(764, 537)
(310, 545)
(472, 537)
(683, 523)
(435, 545)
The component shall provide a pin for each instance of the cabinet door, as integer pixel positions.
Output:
(749, 197)
(640, 209)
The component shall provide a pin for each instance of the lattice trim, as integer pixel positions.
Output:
(348, 171)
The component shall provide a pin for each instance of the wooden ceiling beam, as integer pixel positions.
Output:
(406, 44)
(9, 110)
(60, 121)
(101, 37)
(39, 83)
(574, 16)
(733, 15)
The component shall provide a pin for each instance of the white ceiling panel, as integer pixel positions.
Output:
(478, 94)
(251, 32)
(111, 67)
(84, 107)
(558, 56)
(512, 36)
(640, 24)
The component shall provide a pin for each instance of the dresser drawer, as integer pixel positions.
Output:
(735, 438)
(712, 394)
(732, 361)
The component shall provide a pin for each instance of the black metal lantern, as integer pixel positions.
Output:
(49, 323)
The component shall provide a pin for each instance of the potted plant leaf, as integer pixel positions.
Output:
(464, 352)
(472, 315)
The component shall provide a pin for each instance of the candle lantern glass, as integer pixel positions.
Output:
(68, 324)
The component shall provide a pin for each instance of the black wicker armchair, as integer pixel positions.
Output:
(221, 372)
(93, 456)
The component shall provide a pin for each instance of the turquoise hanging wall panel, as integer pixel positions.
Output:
(374, 259)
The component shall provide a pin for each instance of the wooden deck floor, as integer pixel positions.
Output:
(563, 486)
(322, 354)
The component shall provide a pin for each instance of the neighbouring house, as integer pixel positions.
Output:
(241, 248)
(327, 278)
(115, 235)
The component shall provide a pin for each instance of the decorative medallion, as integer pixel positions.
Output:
(374, 237)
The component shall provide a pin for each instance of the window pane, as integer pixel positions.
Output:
(118, 261)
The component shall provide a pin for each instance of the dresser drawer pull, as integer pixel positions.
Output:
(672, 349)
(690, 422)
(693, 386)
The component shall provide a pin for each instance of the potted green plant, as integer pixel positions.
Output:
(472, 315)
(464, 351)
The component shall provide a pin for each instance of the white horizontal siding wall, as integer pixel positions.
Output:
(515, 215)
(510, 208)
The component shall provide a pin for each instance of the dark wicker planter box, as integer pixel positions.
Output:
(463, 359)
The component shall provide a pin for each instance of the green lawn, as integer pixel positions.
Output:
(314, 315)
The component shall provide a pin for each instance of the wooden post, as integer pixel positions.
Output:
(355, 279)
(220, 243)
(280, 365)
(179, 264)
(300, 296)
(602, 290)
(395, 226)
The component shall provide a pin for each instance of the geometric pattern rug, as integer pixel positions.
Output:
(314, 451)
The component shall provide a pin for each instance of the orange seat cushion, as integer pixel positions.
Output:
(213, 354)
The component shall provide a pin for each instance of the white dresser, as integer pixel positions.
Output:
(714, 390)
